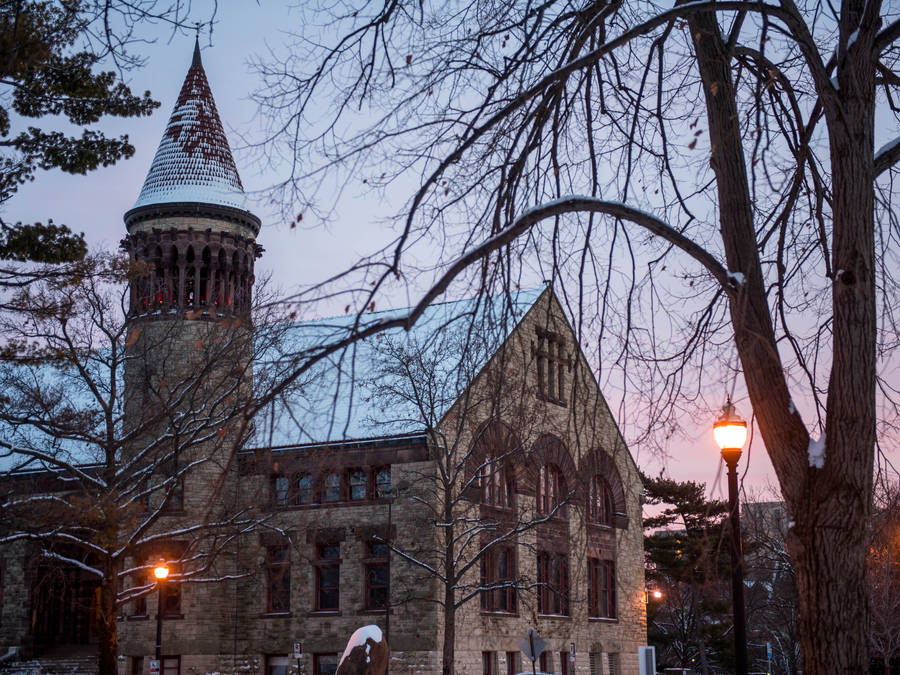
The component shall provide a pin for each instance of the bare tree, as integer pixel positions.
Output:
(706, 177)
(106, 417)
(465, 395)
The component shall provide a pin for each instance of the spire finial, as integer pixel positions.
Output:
(197, 61)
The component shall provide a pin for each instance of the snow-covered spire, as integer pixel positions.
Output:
(193, 163)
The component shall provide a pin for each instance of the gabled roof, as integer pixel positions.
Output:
(353, 395)
(193, 162)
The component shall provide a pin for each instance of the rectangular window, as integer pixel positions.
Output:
(488, 663)
(564, 663)
(383, 482)
(498, 569)
(545, 662)
(358, 484)
(553, 580)
(328, 578)
(377, 574)
(281, 490)
(277, 665)
(601, 588)
(171, 595)
(139, 605)
(331, 487)
(137, 665)
(171, 665)
(173, 493)
(278, 579)
(512, 663)
(325, 664)
(552, 364)
(614, 665)
(596, 663)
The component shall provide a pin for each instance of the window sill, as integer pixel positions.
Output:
(138, 617)
(564, 617)
(603, 619)
(366, 612)
(325, 612)
(498, 612)
(319, 505)
(276, 615)
(172, 617)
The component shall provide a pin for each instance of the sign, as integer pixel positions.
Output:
(154, 667)
(571, 657)
(298, 649)
(768, 650)
(532, 645)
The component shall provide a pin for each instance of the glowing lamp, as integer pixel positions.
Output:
(161, 571)
(730, 430)
(657, 595)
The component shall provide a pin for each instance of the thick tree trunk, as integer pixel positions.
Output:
(448, 651)
(108, 648)
(829, 543)
(830, 505)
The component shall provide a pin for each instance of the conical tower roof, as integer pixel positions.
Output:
(193, 163)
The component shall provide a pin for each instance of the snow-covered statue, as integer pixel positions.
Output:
(367, 653)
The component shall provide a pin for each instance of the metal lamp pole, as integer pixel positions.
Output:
(730, 431)
(161, 572)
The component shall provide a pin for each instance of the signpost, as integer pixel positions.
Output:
(572, 658)
(533, 644)
(154, 667)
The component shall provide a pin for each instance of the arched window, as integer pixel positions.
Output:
(331, 489)
(304, 488)
(496, 485)
(600, 501)
(551, 489)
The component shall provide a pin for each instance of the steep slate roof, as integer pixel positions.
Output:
(193, 162)
(345, 397)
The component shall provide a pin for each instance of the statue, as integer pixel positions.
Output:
(367, 653)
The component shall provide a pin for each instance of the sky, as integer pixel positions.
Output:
(96, 202)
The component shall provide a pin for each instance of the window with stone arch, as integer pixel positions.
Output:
(551, 489)
(497, 488)
(492, 464)
(601, 507)
(603, 491)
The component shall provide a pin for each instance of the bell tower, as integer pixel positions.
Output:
(190, 230)
(192, 244)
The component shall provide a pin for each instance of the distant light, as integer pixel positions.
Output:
(730, 430)
(657, 595)
(161, 571)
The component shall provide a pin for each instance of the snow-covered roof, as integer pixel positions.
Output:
(193, 162)
(360, 394)
(363, 392)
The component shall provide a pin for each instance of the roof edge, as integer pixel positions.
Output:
(169, 209)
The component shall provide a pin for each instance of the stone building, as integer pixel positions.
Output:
(483, 426)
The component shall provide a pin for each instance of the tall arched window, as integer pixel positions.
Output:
(496, 485)
(600, 501)
(551, 489)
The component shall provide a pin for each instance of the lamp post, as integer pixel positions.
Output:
(730, 432)
(161, 572)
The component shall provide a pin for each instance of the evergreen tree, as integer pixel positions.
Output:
(687, 557)
(50, 51)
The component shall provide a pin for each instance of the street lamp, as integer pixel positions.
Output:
(161, 572)
(730, 432)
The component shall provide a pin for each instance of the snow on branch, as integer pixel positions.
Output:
(887, 155)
